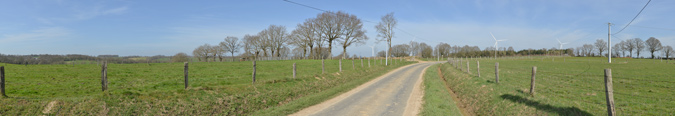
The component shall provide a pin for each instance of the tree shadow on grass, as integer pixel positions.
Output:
(565, 111)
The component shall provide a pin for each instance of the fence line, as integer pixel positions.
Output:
(557, 75)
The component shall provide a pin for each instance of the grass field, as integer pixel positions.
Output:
(216, 88)
(564, 86)
(437, 99)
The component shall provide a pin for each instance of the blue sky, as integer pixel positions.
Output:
(154, 27)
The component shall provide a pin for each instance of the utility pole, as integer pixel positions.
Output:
(609, 42)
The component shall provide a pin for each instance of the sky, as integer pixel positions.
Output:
(159, 27)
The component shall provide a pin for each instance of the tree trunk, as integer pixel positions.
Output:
(330, 49)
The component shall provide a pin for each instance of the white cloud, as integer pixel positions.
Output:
(98, 11)
(41, 34)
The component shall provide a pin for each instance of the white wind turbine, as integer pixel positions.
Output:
(496, 41)
(561, 44)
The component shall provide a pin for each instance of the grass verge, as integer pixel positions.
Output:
(437, 99)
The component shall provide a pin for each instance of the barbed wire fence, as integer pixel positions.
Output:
(633, 93)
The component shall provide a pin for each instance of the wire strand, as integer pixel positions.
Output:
(631, 21)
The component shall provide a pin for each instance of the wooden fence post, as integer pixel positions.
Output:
(323, 67)
(294, 70)
(468, 70)
(497, 72)
(253, 72)
(361, 62)
(2, 81)
(104, 76)
(353, 67)
(185, 72)
(368, 62)
(609, 92)
(478, 67)
(534, 73)
(340, 61)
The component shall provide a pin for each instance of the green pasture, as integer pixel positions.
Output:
(564, 86)
(215, 88)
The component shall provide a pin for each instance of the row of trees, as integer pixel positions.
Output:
(630, 46)
(229, 45)
(309, 38)
(78, 58)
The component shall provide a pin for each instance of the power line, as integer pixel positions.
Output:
(631, 21)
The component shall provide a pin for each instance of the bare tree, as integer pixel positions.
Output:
(304, 37)
(400, 50)
(179, 57)
(414, 48)
(330, 26)
(353, 33)
(231, 44)
(653, 45)
(667, 51)
(202, 52)
(385, 30)
(254, 44)
(588, 49)
(217, 52)
(630, 46)
(274, 38)
(601, 46)
(621, 46)
(639, 46)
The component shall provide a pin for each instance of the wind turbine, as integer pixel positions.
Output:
(496, 41)
(561, 44)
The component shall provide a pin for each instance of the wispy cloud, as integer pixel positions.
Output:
(41, 34)
(98, 11)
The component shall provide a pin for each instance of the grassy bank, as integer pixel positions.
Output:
(437, 99)
(564, 86)
(216, 88)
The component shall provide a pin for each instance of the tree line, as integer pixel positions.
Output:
(312, 39)
(78, 58)
(631, 46)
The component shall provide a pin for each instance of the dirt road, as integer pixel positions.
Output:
(398, 92)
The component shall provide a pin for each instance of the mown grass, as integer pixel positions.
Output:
(437, 99)
(215, 88)
(565, 86)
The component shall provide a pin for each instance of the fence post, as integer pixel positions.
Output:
(468, 70)
(609, 92)
(361, 62)
(353, 67)
(534, 72)
(294, 70)
(2, 81)
(478, 67)
(368, 62)
(104, 76)
(340, 61)
(185, 71)
(497, 72)
(253, 72)
(323, 67)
